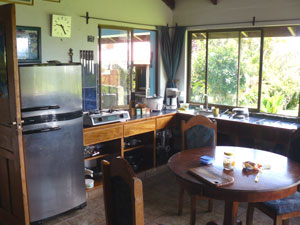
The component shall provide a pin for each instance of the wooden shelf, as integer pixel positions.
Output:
(98, 183)
(96, 157)
(133, 148)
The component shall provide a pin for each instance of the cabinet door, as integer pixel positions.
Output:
(100, 134)
(13, 189)
(164, 122)
(139, 127)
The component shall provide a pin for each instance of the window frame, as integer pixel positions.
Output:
(260, 73)
(130, 31)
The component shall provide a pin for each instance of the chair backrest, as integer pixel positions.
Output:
(199, 131)
(123, 194)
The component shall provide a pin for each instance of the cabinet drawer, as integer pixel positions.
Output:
(97, 135)
(139, 127)
(164, 122)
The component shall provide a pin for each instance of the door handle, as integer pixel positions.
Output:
(48, 129)
(37, 108)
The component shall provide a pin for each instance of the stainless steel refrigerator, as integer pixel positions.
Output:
(51, 100)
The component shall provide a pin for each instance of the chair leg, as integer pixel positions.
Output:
(210, 205)
(180, 201)
(250, 212)
(193, 210)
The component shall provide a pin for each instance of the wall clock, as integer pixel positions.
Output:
(61, 26)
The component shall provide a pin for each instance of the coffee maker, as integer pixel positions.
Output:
(172, 95)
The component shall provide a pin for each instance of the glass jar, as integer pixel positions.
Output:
(228, 161)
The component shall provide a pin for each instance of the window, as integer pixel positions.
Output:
(124, 53)
(281, 72)
(229, 68)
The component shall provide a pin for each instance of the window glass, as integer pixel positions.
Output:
(198, 67)
(144, 62)
(281, 71)
(223, 48)
(249, 68)
(114, 56)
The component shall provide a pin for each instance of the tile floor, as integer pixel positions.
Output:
(160, 202)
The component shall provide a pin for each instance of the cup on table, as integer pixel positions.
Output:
(215, 112)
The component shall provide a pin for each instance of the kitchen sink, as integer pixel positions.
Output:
(205, 113)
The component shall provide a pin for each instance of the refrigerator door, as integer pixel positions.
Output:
(50, 89)
(55, 167)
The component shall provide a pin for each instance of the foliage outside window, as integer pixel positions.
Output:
(225, 65)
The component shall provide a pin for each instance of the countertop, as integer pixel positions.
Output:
(252, 119)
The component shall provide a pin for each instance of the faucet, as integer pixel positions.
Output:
(206, 101)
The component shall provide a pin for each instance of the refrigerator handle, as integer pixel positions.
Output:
(48, 129)
(37, 108)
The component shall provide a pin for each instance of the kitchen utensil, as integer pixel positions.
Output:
(240, 113)
(155, 103)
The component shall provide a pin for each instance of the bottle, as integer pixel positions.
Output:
(132, 105)
(228, 161)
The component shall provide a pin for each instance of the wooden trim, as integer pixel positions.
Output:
(261, 59)
(206, 68)
(239, 71)
(154, 148)
(189, 67)
(170, 3)
(96, 157)
(133, 148)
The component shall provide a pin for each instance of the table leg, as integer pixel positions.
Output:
(230, 213)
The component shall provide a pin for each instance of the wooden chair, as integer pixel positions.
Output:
(279, 210)
(199, 131)
(123, 194)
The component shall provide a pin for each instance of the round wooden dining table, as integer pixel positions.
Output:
(279, 181)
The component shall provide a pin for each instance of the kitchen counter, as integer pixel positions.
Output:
(153, 115)
(252, 119)
(257, 131)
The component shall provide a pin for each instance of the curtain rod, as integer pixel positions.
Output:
(253, 22)
(87, 17)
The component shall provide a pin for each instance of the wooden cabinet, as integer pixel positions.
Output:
(135, 128)
(113, 136)
(164, 122)
(96, 135)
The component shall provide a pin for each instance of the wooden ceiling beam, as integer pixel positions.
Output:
(170, 3)
(215, 2)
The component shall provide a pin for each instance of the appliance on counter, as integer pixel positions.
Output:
(155, 103)
(172, 95)
(240, 113)
(51, 101)
(96, 117)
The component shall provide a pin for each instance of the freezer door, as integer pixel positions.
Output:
(55, 167)
(50, 89)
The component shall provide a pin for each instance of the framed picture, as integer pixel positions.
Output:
(25, 2)
(58, 1)
(29, 44)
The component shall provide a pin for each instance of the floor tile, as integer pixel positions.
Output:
(160, 207)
